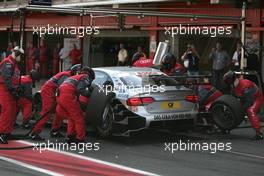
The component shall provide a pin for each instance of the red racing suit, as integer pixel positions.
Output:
(9, 83)
(69, 106)
(48, 91)
(207, 95)
(143, 62)
(31, 58)
(252, 100)
(84, 101)
(25, 99)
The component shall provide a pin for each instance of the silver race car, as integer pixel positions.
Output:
(128, 99)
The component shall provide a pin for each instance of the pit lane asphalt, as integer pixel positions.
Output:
(146, 151)
(9, 169)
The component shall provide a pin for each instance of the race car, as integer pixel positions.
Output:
(128, 99)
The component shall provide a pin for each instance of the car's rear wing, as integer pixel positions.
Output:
(186, 79)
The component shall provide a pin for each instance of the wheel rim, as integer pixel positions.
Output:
(106, 120)
(223, 116)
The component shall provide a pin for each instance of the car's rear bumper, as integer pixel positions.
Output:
(180, 121)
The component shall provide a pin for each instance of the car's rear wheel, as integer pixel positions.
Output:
(227, 112)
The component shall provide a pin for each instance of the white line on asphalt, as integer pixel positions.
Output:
(99, 161)
(45, 171)
(245, 154)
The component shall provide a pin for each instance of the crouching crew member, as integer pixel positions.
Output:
(9, 89)
(69, 106)
(60, 116)
(171, 67)
(251, 99)
(25, 97)
(48, 99)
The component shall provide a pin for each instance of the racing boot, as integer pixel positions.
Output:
(56, 134)
(259, 136)
(35, 137)
(3, 139)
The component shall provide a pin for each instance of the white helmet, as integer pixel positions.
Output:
(17, 48)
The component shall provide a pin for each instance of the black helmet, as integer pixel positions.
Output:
(229, 77)
(35, 76)
(136, 57)
(89, 71)
(76, 68)
(168, 61)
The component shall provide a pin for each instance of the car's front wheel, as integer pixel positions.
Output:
(105, 127)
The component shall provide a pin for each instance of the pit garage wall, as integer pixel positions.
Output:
(95, 58)
(135, 24)
(203, 44)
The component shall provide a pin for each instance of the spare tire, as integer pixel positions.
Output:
(227, 112)
(96, 107)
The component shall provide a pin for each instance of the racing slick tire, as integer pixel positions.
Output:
(227, 112)
(99, 112)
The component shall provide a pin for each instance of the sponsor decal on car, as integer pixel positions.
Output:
(142, 74)
(122, 96)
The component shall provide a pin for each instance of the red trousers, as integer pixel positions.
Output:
(48, 106)
(26, 106)
(30, 64)
(61, 115)
(8, 111)
(252, 112)
(68, 106)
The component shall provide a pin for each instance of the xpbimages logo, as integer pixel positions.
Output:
(211, 147)
(123, 89)
(212, 31)
(62, 146)
(80, 31)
